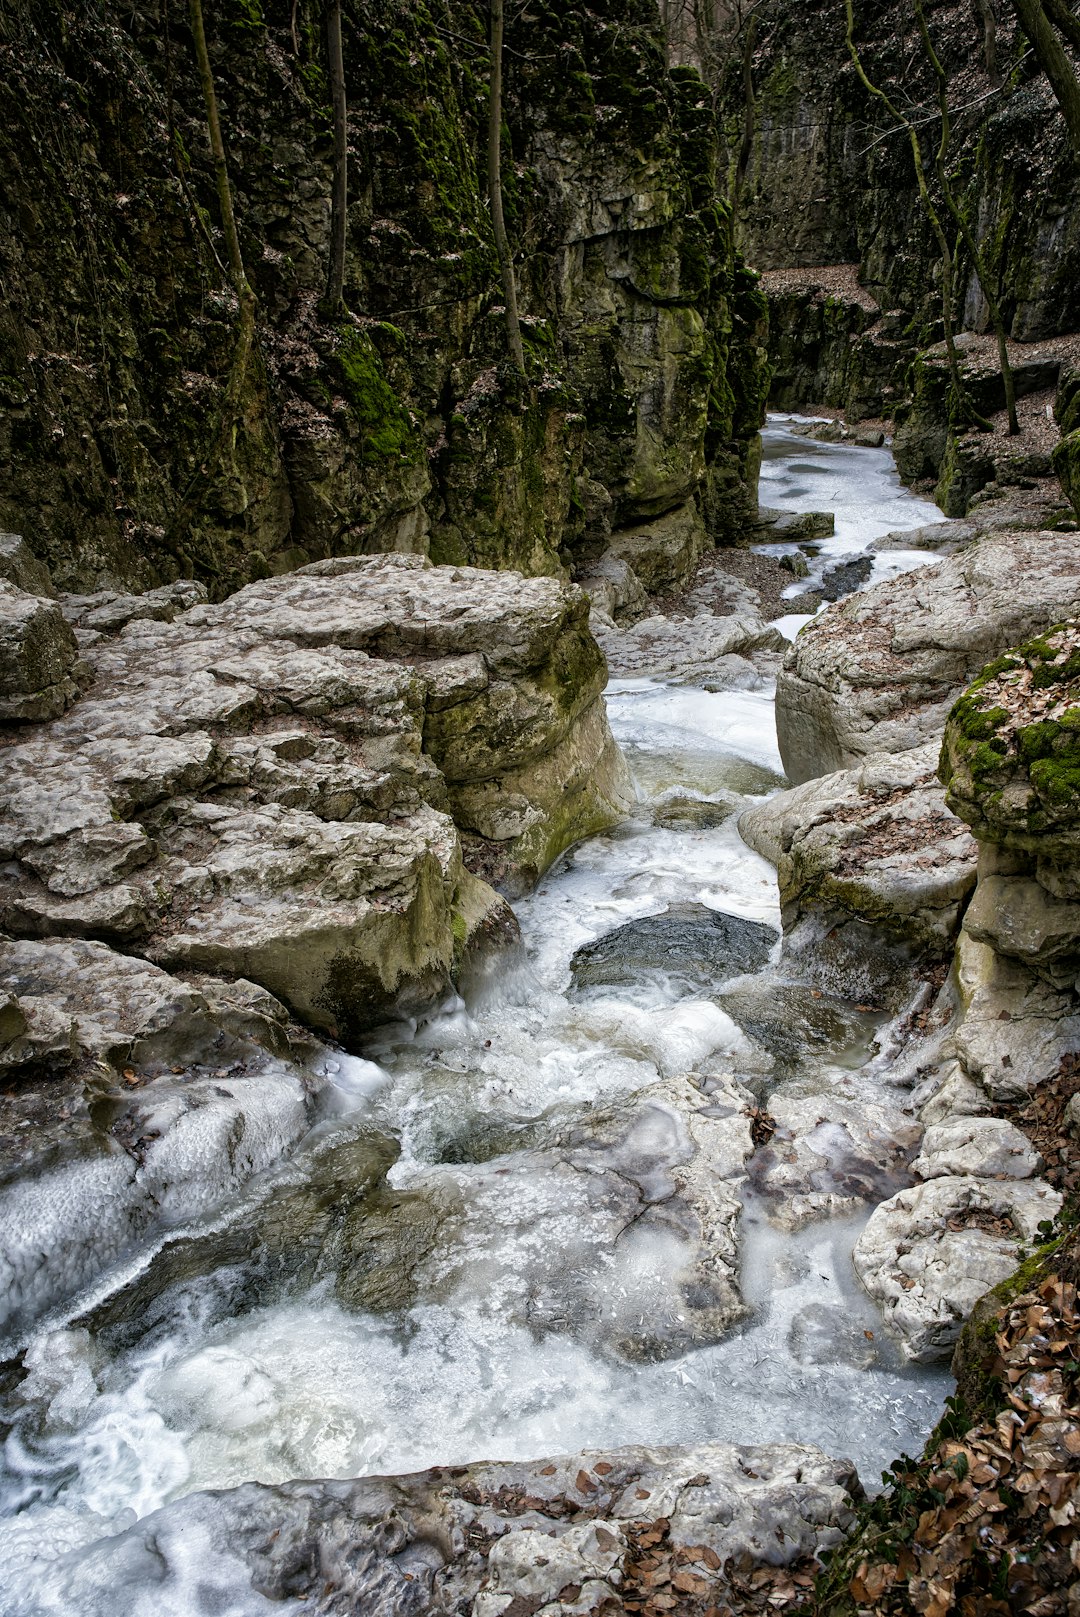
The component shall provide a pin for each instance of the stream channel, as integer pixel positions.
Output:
(516, 1284)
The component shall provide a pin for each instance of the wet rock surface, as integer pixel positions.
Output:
(690, 942)
(556, 1535)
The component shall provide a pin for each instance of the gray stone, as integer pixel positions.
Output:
(875, 843)
(688, 941)
(698, 650)
(21, 567)
(928, 1254)
(987, 1147)
(879, 671)
(38, 655)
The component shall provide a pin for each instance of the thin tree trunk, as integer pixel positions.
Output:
(962, 224)
(962, 406)
(217, 147)
(749, 109)
(339, 196)
(990, 50)
(498, 223)
(1055, 64)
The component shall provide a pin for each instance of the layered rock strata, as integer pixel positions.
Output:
(269, 788)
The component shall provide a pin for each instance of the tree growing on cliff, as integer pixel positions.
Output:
(339, 193)
(1045, 22)
(961, 407)
(495, 194)
(961, 220)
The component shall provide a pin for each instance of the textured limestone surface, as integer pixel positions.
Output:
(929, 1253)
(875, 842)
(38, 656)
(879, 671)
(262, 788)
(491, 1539)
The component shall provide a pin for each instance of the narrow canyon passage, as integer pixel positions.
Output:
(536, 1222)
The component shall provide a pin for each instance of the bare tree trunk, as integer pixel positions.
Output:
(498, 223)
(962, 405)
(1065, 21)
(970, 240)
(990, 50)
(217, 147)
(339, 195)
(1052, 59)
(749, 110)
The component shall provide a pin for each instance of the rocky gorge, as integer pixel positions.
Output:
(539, 932)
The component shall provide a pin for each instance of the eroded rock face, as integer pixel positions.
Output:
(878, 672)
(493, 1539)
(875, 842)
(38, 656)
(929, 1253)
(261, 788)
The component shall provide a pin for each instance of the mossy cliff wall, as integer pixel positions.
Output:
(830, 181)
(830, 178)
(403, 429)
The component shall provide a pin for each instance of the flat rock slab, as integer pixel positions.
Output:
(928, 1254)
(495, 1540)
(688, 941)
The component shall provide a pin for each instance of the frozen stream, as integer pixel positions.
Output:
(475, 1303)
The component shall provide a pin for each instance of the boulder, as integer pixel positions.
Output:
(21, 567)
(289, 766)
(664, 551)
(699, 650)
(879, 671)
(929, 1253)
(38, 656)
(987, 1147)
(875, 843)
(696, 944)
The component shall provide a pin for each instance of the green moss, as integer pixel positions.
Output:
(386, 429)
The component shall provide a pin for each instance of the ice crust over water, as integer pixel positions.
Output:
(302, 1386)
(862, 488)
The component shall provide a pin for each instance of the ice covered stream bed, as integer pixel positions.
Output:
(534, 1226)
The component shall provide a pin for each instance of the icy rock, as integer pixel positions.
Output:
(638, 1205)
(830, 1153)
(928, 1254)
(987, 1147)
(445, 1541)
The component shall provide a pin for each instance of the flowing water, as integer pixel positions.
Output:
(439, 1274)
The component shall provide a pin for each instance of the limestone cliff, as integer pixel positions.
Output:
(401, 427)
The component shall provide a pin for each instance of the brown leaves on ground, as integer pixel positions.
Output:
(661, 1579)
(1041, 1115)
(989, 1523)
